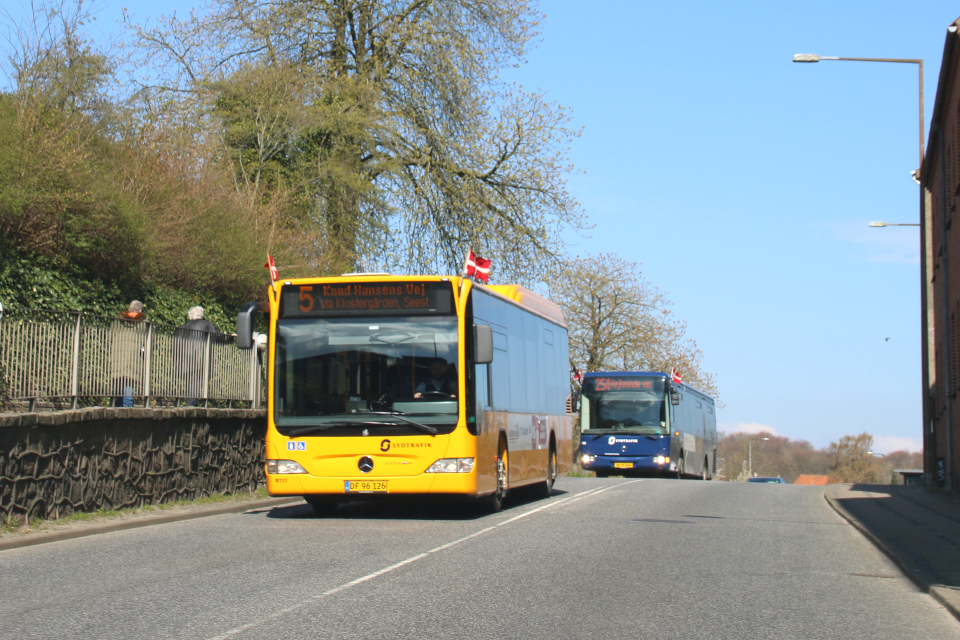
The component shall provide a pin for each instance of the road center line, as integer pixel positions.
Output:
(411, 560)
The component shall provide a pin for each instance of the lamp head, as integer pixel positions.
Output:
(806, 57)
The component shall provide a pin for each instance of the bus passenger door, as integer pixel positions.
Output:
(479, 417)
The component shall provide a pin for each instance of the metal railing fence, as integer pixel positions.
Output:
(63, 359)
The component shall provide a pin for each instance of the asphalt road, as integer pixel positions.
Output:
(611, 558)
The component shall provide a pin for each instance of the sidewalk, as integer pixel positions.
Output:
(920, 531)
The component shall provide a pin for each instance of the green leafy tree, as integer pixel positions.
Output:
(55, 127)
(619, 321)
(383, 122)
(87, 195)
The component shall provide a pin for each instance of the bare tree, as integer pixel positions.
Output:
(851, 460)
(772, 455)
(618, 321)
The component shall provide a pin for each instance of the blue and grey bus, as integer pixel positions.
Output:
(634, 423)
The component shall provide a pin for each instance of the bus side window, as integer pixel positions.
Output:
(499, 379)
(483, 386)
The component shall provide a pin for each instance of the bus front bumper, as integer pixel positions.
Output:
(345, 486)
(620, 464)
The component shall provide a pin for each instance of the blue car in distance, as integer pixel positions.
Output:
(768, 479)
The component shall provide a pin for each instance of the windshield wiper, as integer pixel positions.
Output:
(392, 412)
(399, 416)
(363, 423)
(318, 427)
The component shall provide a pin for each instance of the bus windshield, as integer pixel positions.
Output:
(627, 404)
(339, 370)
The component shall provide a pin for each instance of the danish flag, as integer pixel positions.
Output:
(477, 267)
(675, 376)
(274, 274)
(577, 376)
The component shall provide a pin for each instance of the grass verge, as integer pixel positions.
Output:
(576, 471)
(14, 524)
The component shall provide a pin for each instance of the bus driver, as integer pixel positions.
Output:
(439, 383)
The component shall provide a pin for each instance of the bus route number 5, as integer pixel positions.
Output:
(306, 299)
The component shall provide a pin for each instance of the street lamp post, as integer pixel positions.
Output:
(811, 57)
(926, 260)
(750, 442)
(894, 224)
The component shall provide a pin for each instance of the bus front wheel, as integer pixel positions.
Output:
(494, 502)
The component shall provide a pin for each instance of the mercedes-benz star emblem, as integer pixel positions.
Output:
(365, 465)
(366, 432)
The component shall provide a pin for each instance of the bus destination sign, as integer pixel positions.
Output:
(365, 299)
(620, 384)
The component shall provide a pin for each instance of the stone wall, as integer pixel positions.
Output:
(52, 464)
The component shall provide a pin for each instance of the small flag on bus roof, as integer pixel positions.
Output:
(477, 267)
(274, 274)
(675, 376)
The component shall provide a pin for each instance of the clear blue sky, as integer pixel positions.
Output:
(744, 185)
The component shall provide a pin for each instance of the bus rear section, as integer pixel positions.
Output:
(638, 423)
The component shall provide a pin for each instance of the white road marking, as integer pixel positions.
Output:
(411, 560)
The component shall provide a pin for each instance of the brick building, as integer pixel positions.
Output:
(941, 180)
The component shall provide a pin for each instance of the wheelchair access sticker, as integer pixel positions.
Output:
(296, 445)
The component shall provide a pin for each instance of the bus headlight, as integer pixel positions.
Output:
(284, 466)
(452, 465)
(586, 459)
(661, 459)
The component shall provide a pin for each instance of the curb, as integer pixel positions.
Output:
(947, 596)
(43, 537)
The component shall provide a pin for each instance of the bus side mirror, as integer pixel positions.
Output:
(674, 397)
(245, 323)
(482, 343)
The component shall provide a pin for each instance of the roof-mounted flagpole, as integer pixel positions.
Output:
(463, 271)
(274, 274)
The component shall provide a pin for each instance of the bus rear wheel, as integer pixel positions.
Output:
(545, 488)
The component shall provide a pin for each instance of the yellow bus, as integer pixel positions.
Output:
(384, 385)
